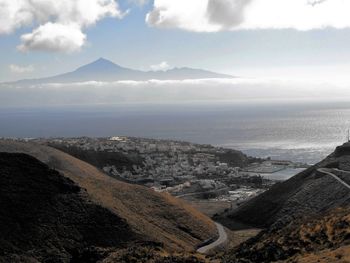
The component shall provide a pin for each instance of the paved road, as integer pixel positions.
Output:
(222, 239)
(328, 172)
(223, 235)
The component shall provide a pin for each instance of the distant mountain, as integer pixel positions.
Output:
(105, 70)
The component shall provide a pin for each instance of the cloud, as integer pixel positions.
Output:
(54, 37)
(159, 91)
(315, 2)
(68, 17)
(218, 15)
(226, 13)
(183, 14)
(163, 66)
(13, 15)
(21, 69)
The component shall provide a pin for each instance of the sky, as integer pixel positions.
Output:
(275, 39)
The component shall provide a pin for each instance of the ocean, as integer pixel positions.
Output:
(302, 131)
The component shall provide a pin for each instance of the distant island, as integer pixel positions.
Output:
(105, 70)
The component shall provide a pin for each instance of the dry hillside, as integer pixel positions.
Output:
(45, 217)
(325, 238)
(158, 217)
(306, 219)
(308, 193)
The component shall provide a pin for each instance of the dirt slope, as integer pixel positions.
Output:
(158, 217)
(307, 218)
(325, 238)
(46, 217)
(308, 193)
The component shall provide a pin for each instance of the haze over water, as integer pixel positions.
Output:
(299, 131)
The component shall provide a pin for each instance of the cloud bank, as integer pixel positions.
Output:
(218, 15)
(167, 91)
(58, 25)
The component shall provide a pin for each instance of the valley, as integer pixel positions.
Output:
(159, 190)
(186, 170)
(162, 131)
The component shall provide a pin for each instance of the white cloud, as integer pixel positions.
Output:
(217, 15)
(54, 37)
(21, 69)
(69, 17)
(163, 66)
(184, 14)
(315, 2)
(159, 91)
(226, 13)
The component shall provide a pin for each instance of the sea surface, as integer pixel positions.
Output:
(302, 131)
(283, 174)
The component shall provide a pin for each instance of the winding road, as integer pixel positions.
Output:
(221, 240)
(328, 172)
(222, 233)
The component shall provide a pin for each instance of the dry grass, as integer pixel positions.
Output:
(209, 207)
(322, 238)
(159, 217)
(141, 254)
(238, 237)
(340, 255)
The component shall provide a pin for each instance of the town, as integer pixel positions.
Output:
(183, 169)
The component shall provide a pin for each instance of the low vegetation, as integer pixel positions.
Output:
(158, 217)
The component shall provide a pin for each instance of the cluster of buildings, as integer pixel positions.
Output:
(180, 168)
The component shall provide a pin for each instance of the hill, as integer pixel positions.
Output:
(156, 217)
(33, 198)
(321, 239)
(105, 70)
(307, 194)
(101, 159)
(306, 219)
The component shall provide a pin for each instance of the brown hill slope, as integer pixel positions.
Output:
(159, 217)
(339, 255)
(307, 218)
(46, 217)
(307, 194)
(325, 238)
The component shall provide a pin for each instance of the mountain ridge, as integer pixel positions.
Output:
(106, 70)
